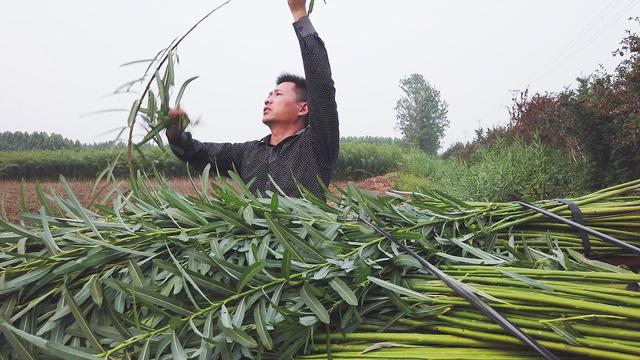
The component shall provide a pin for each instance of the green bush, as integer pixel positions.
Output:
(356, 161)
(502, 172)
(360, 160)
(86, 163)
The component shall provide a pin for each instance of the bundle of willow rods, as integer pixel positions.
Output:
(230, 275)
(503, 228)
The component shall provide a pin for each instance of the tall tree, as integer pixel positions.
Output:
(421, 114)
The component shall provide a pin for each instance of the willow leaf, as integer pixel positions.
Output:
(206, 349)
(182, 89)
(343, 290)
(145, 352)
(177, 351)
(136, 274)
(133, 113)
(20, 349)
(299, 248)
(249, 274)
(529, 281)
(151, 297)
(202, 281)
(239, 336)
(238, 315)
(228, 216)
(46, 234)
(397, 288)
(155, 130)
(314, 304)
(80, 319)
(261, 326)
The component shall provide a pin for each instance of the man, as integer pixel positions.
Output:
(303, 119)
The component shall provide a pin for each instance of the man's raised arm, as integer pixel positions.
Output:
(222, 156)
(323, 112)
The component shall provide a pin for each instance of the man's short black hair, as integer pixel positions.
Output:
(299, 81)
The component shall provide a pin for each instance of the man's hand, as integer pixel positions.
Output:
(298, 8)
(178, 121)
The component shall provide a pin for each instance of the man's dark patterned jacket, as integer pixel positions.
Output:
(304, 156)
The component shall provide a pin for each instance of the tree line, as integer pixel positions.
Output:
(40, 140)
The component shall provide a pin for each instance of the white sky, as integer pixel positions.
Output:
(60, 58)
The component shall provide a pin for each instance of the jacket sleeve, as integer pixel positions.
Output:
(222, 156)
(323, 110)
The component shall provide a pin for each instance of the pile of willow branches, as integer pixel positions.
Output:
(230, 275)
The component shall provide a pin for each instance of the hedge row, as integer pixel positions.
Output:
(356, 161)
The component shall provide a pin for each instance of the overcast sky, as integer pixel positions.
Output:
(59, 59)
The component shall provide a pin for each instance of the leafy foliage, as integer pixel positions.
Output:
(505, 171)
(421, 114)
(362, 160)
(228, 275)
(356, 160)
(597, 124)
(86, 163)
(21, 141)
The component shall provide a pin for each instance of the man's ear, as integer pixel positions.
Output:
(303, 110)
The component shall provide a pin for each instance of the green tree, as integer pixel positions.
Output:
(421, 114)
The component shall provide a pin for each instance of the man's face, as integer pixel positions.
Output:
(282, 105)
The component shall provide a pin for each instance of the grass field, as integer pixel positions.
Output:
(11, 201)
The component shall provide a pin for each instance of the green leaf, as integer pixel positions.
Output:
(151, 297)
(25, 279)
(314, 304)
(204, 181)
(42, 199)
(20, 349)
(202, 281)
(206, 349)
(182, 89)
(261, 326)
(95, 289)
(23, 197)
(151, 106)
(80, 320)
(240, 337)
(565, 332)
(59, 350)
(225, 318)
(177, 351)
(404, 260)
(46, 234)
(137, 277)
(163, 93)
(68, 353)
(529, 281)
(286, 264)
(145, 352)
(308, 320)
(227, 216)
(299, 248)
(397, 288)
(248, 275)
(169, 73)
(238, 314)
(274, 202)
(343, 290)
(133, 112)
(153, 132)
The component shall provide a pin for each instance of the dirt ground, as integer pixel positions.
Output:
(11, 201)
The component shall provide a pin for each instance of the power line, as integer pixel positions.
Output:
(588, 30)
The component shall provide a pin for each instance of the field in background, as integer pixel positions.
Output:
(13, 202)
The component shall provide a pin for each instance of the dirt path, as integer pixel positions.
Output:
(10, 199)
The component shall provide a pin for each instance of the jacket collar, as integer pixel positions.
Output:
(265, 140)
